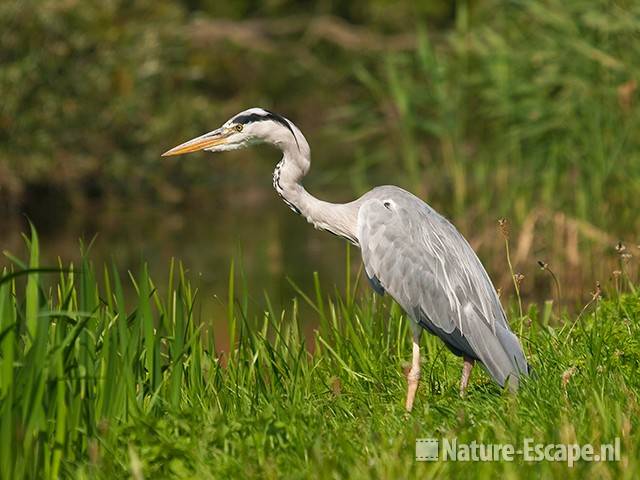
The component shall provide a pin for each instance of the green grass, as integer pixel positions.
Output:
(96, 385)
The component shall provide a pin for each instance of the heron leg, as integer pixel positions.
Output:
(466, 373)
(413, 376)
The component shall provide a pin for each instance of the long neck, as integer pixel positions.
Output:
(339, 219)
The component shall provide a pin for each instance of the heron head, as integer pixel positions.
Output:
(251, 126)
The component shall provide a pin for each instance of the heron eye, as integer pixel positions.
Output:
(239, 127)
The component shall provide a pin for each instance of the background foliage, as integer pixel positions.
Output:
(519, 103)
(526, 109)
(517, 109)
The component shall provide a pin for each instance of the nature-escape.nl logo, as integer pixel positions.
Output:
(432, 449)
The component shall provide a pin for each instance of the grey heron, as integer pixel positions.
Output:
(408, 249)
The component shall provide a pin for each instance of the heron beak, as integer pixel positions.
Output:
(211, 139)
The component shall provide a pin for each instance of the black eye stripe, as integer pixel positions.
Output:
(256, 117)
(253, 117)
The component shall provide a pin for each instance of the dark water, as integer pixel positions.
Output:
(242, 219)
(252, 226)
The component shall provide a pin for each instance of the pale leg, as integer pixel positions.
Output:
(414, 374)
(466, 373)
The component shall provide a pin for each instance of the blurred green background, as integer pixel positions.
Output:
(520, 109)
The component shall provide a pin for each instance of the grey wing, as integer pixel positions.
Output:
(425, 264)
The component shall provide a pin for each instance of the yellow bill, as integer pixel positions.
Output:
(208, 140)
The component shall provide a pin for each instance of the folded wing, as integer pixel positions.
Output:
(426, 265)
